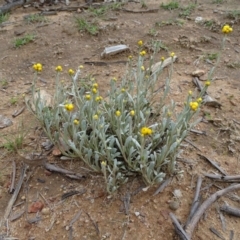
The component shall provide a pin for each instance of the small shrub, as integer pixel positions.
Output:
(85, 26)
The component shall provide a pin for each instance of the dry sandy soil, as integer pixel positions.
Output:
(58, 42)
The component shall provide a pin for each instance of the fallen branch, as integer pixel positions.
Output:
(213, 163)
(76, 217)
(10, 6)
(178, 228)
(68, 173)
(141, 11)
(16, 192)
(196, 201)
(11, 189)
(162, 186)
(230, 210)
(221, 178)
(206, 204)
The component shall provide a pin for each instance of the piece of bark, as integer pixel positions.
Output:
(221, 178)
(11, 189)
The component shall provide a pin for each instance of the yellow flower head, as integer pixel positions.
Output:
(130, 57)
(132, 113)
(207, 83)
(98, 99)
(70, 72)
(58, 69)
(227, 29)
(37, 67)
(169, 114)
(190, 93)
(193, 105)
(114, 79)
(94, 90)
(118, 113)
(172, 54)
(145, 131)
(104, 163)
(69, 107)
(140, 43)
(143, 53)
(95, 117)
(81, 66)
(123, 90)
(142, 68)
(87, 96)
(95, 85)
(199, 100)
(75, 121)
(162, 59)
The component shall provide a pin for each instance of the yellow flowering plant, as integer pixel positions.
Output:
(133, 132)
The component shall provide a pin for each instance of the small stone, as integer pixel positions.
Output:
(23, 198)
(177, 193)
(174, 205)
(5, 122)
(137, 214)
(67, 228)
(45, 211)
(198, 73)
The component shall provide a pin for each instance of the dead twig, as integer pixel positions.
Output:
(94, 224)
(196, 201)
(188, 141)
(68, 173)
(221, 178)
(214, 231)
(230, 210)
(206, 204)
(126, 202)
(178, 228)
(213, 163)
(162, 186)
(15, 194)
(76, 217)
(18, 112)
(11, 189)
(141, 11)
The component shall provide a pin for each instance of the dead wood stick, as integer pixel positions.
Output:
(11, 189)
(10, 6)
(162, 186)
(76, 217)
(198, 84)
(94, 224)
(178, 228)
(213, 163)
(221, 178)
(15, 194)
(140, 11)
(231, 235)
(196, 200)
(18, 112)
(230, 210)
(188, 141)
(56, 168)
(206, 204)
(215, 231)
(198, 132)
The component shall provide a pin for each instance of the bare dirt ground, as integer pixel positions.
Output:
(58, 42)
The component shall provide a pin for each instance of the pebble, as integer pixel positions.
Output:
(174, 205)
(45, 211)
